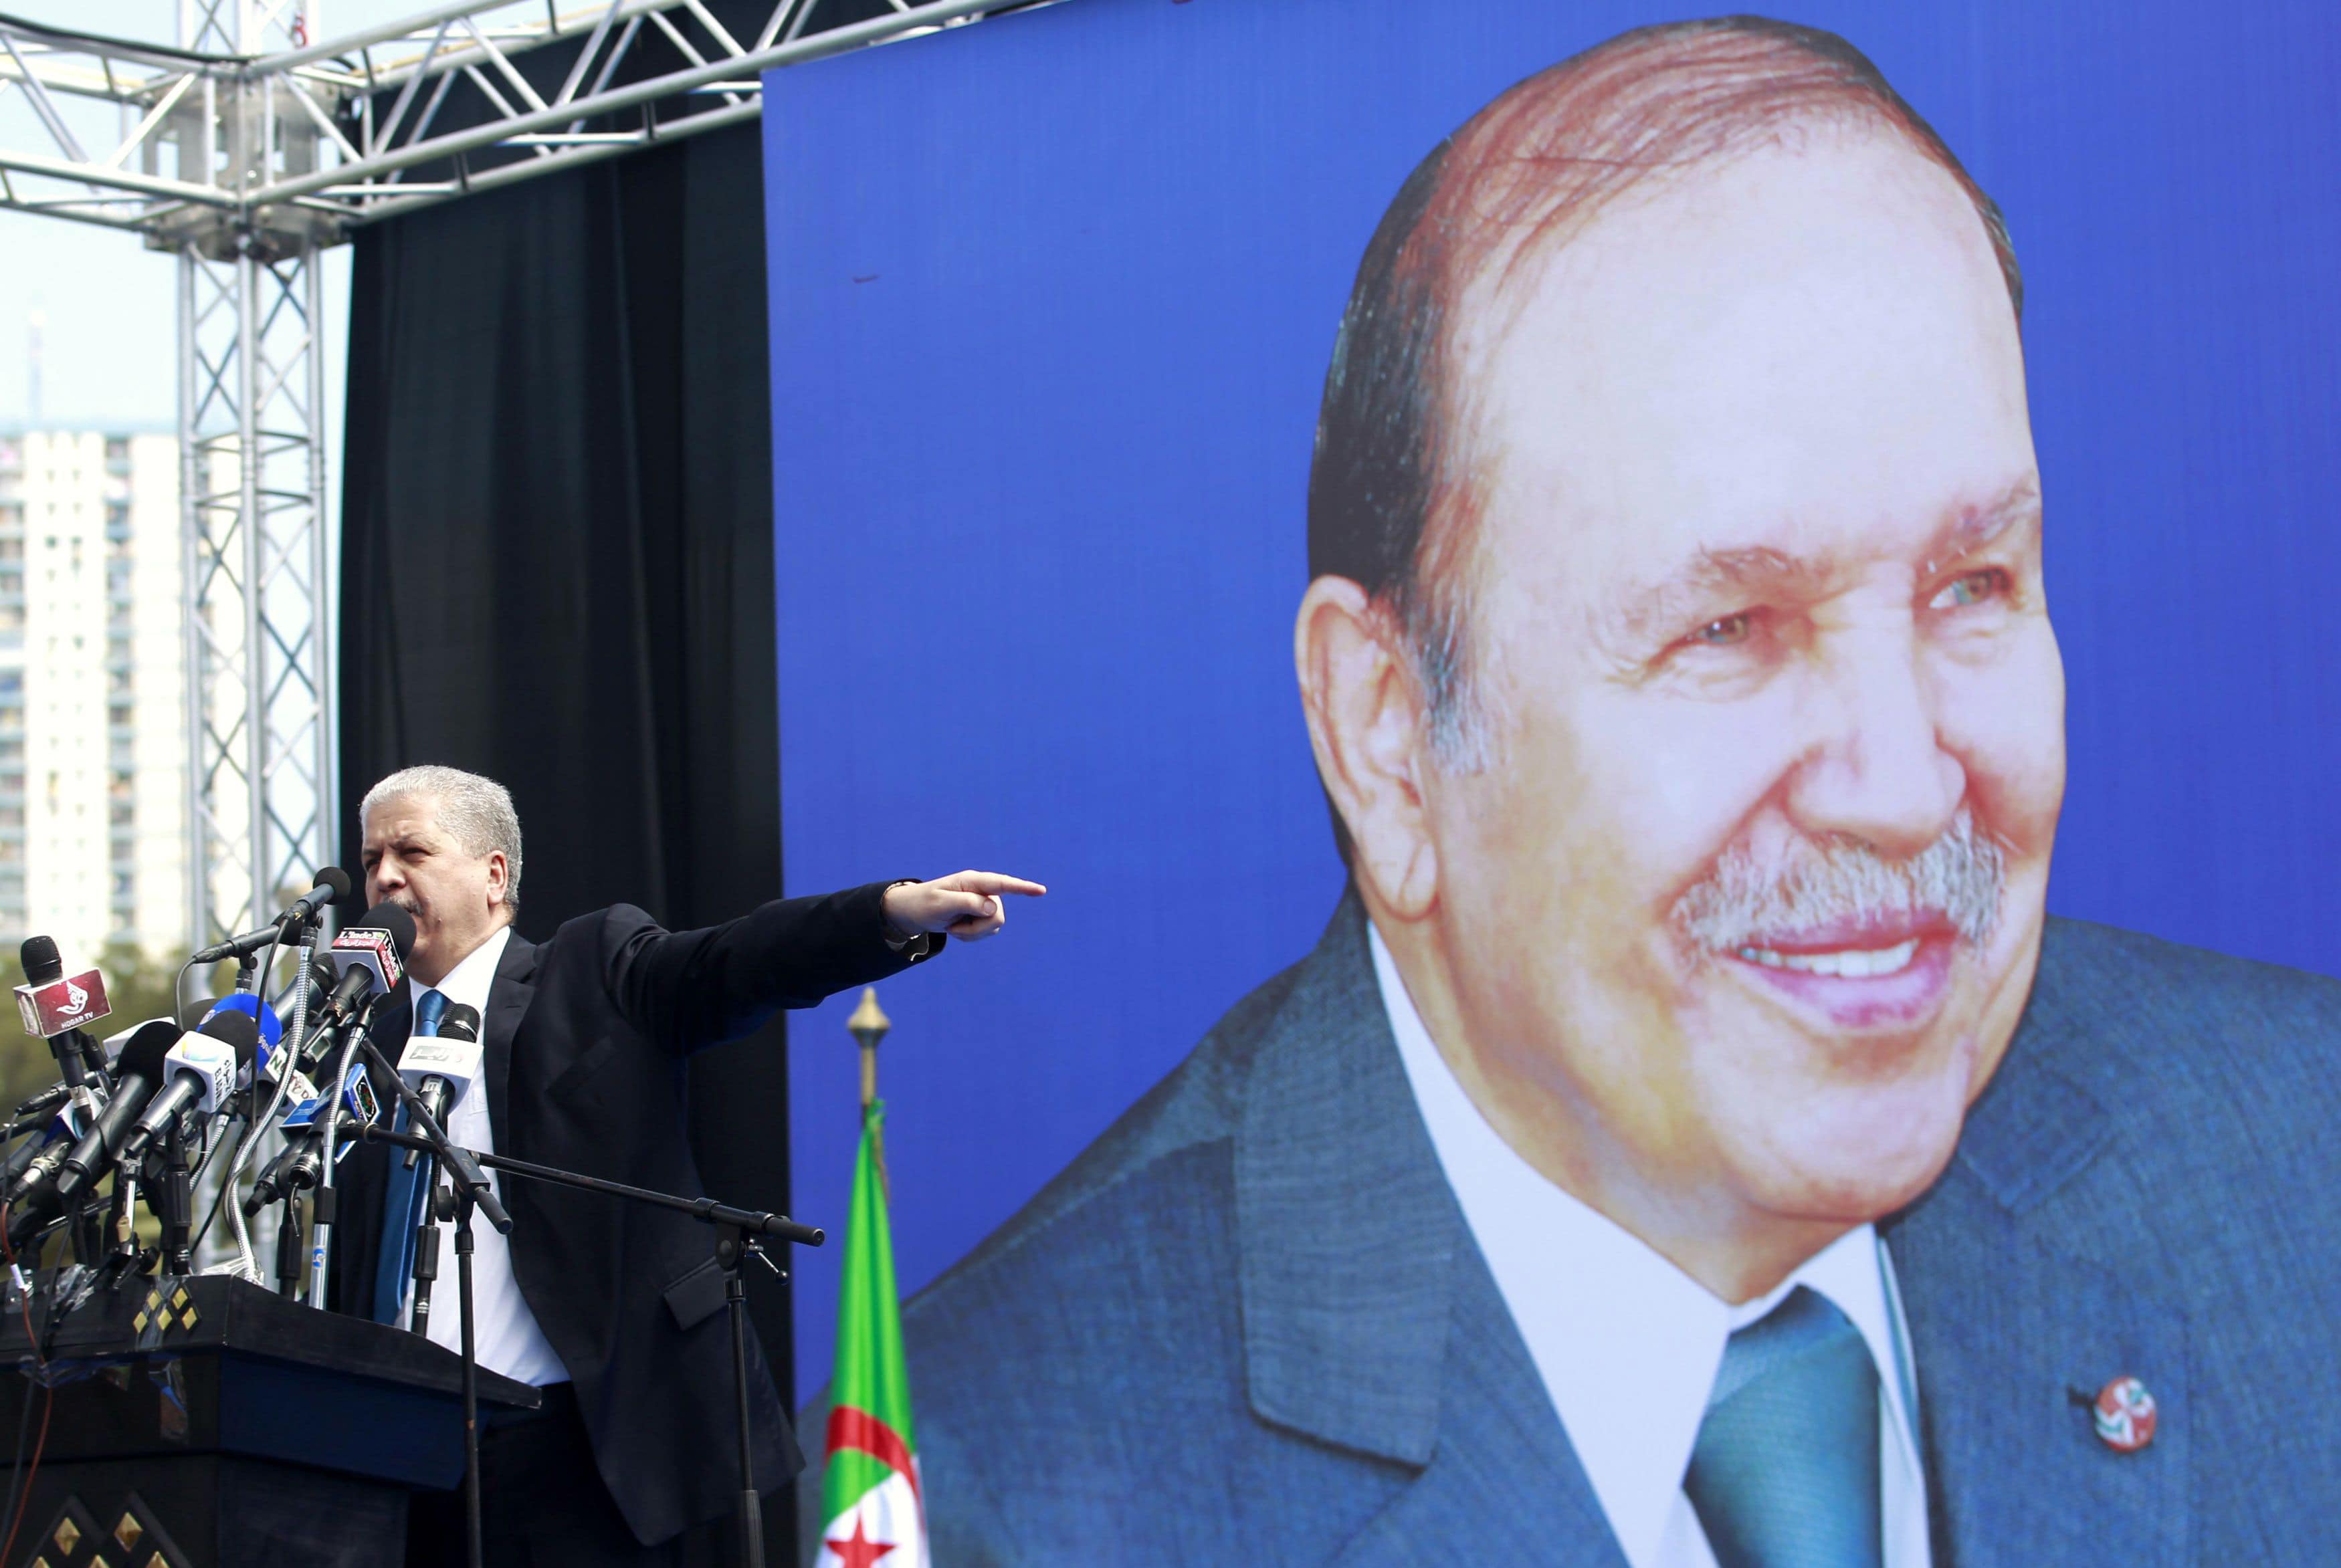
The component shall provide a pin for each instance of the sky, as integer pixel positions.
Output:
(108, 304)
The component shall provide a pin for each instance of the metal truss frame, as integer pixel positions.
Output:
(246, 149)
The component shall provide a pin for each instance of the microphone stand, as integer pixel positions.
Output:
(290, 1271)
(738, 1232)
(178, 1189)
(471, 1189)
(475, 1541)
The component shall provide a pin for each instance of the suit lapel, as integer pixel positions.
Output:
(2013, 1336)
(508, 1001)
(2012, 1340)
(1503, 1480)
(1370, 1321)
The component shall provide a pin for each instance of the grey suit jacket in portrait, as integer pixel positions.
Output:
(1248, 1325)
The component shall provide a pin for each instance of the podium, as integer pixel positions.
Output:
(210, 1421)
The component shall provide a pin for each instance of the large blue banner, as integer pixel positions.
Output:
(1053, 299)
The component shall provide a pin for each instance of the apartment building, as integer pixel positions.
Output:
(93, 692)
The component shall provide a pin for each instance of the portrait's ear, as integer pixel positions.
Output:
(1366, 719)
(499, 877)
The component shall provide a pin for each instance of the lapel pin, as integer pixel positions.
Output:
(2124, 1414)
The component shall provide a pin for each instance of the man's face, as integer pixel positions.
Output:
(456, 898)
(1756, 597)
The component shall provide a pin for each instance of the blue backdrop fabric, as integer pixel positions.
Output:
(1052, 301)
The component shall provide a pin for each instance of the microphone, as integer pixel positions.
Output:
(199, 1074)
(319, 1039)
(333, 885)
(22, 1155)
(441, 1067)
(55, 1008)
(51, 1149)
(263, 1016)
(296, 1166)
(34, 1169)
(137, 1073)
(370, 959)
(46, 1099)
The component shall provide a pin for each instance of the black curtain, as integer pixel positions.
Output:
(556, 562)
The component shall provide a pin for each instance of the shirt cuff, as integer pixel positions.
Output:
(915, 947)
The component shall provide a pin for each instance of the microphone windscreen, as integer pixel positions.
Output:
(144, 1051)
(321, 983)
(336, 880)
(39, 957)
(460, 1023)
(272, 1027)
(388, 917)
(239, 1031)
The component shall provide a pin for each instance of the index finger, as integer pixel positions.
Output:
(996, 882)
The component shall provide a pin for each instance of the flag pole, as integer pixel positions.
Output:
(868, 1026)
(871, 1468)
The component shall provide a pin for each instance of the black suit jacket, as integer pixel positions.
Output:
(584, 1038)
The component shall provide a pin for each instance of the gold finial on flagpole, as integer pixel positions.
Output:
(869, 1024)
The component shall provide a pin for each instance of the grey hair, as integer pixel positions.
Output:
(1963, 873)
(477, 811)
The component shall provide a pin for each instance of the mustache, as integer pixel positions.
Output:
(1961, 874)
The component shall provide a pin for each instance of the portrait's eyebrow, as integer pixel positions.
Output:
(1972, 528)
(1664, 610)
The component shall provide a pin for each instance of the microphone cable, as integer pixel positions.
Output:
(21, 1476)
(290, 1043)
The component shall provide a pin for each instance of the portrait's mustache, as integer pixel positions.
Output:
(1817, 884)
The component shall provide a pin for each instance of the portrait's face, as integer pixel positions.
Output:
(1743, 905)
(454, 894)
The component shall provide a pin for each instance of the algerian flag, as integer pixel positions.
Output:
(870, 1490)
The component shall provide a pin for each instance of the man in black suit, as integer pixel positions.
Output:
(609, 1308)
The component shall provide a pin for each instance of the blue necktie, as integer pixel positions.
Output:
(1784, 1472)
(401, 1208)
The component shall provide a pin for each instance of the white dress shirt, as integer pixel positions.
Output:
(505, 1333)
(1628, 1345)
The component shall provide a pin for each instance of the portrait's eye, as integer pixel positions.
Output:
(1972, 588)
(1726, 631)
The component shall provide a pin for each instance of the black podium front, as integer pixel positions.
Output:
(210, 1421)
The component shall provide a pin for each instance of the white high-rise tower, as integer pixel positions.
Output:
(93, 692)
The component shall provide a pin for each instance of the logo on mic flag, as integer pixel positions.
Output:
(62, 1004)
(870, 1494)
